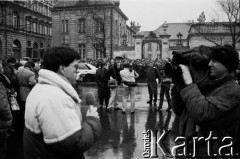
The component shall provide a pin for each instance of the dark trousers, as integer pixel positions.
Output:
(21, 120)
(165, 90)
(151, 98)
(3, 144)
(103, 95)
(104, 99)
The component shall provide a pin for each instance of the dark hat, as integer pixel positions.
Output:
(227, 56)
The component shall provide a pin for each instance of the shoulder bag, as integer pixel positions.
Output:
(112, 83)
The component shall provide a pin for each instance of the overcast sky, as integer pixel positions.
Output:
(150, 14)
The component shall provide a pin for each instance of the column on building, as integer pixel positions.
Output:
(138, 46)
(165, 42)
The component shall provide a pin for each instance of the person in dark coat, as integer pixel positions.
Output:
(10, 72)
(214, 110)
(166, 81)
(152, 74)
(102, 84)
(114, 73)
(5, 113)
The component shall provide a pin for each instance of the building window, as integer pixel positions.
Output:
(35, 6)
(50, 31)
(28, 23)
(15, 20)
(158, 47)
(149, 47)
(226, 28)
(117, 29)
(29, 43)
(99, 25)
(120, 29)
(40, 29)
(179, 35)
(81, 25)
(46, 11)
(98, 53)
(46, 30)
(34, 27)
(40, 8)
(82, 51)
(3, 15)
(65, 26)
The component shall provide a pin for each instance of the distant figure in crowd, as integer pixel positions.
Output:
(114, 72)
(166, 81)
(26, 80)
(102, 84)
(152, 75)
(5, 112)
(215, 109)
(53, 121)
(128, 75)
(237, 74)
(10, 72)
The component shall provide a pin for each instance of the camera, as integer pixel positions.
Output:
(197, 60)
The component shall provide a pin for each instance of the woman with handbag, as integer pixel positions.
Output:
(114, 82)
(128, 77)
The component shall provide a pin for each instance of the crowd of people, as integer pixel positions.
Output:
(118, 69)
(48, 115)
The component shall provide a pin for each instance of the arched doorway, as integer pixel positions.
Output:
(16, 49)
(152, 38)
(35, 50)
(158, 42)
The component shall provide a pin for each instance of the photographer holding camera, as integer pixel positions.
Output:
(215, 108)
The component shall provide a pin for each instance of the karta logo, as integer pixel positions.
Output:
(152, 144)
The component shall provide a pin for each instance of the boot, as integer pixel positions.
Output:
(155, 100)
(160, 104)
(150, 100)
(169, 106)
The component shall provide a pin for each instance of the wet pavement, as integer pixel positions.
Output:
(122, 134)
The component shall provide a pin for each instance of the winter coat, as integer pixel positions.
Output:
(5, 112)
(9, 72)
(151, 75)
(26, 80)
(114, 72)
(216, 109)
(102, 83)
(53, 121)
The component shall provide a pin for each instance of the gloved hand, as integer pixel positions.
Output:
(92, 111)
(187, 78)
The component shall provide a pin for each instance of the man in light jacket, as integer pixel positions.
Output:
(53, 121)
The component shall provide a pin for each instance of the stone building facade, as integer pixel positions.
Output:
(173, 36)
(93, 27)
(213, 33)
(25, 28)
(188, 35)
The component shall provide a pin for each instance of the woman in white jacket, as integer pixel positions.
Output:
(128, 76)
